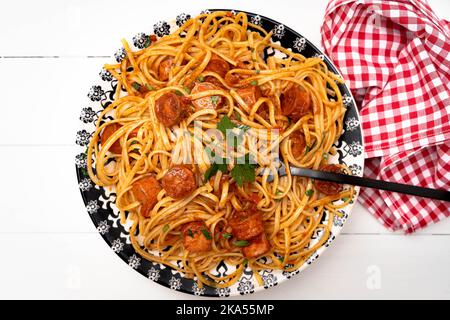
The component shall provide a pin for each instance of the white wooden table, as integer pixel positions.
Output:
(49, 51)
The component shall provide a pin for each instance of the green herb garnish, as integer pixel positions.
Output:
(190, 234)
(237, 115)
(245, 262)
(179, 93)
(241, 243)
(345, 199)
(325, 156)
(201, 78)
(136, 86)
(243, 171)
(187, 89)
(227, 235)
(166, 228)
(149, 87)
(215, 167)
(206, 234)
(215, 100)
(254, 83)
(224, 124)
(309, 192)
(258, 71)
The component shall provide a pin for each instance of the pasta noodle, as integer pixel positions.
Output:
(136, 141)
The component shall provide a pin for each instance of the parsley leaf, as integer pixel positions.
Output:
(237, 115)
(226, 235)
(166, 228)
(309, 192)
(190, 234)
(225, 124)
(215, 167)
(241, 243)
(149, 87)
(214, 99)
(243, 171)
(206, 234)
(136, 86)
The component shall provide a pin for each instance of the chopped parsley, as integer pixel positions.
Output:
(254, 83)
(215, 167)
(345, 199)
(237, 115)
(206, 234)
(215, 100)
(325, 156)
(258, 71)
(309, 192)
(179, 93)
(166, 228)
(245, 262)
(190, 233)
(201, 78)
(241, 243)
(136, 86)
(225, 124)
(149, 87)
(187, 89)
(227, 235)
(243, 171)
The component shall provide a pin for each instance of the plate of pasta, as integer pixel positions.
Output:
(182, 136)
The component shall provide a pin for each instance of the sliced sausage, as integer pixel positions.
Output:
(298, 144)
(108, 131)
(257, 247)
(146, 191)
(208, 102)
(179, 181)
(295, 102)
(214, 81)
(196, 237)
(164, 69)
(170, 109)
(219, 66)
(246, 225)
(326, 187)
(250, 94)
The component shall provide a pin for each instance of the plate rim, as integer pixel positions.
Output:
(322, 248)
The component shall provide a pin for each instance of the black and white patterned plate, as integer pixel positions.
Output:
(100, 202)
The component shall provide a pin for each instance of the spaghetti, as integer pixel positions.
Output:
(213, 71)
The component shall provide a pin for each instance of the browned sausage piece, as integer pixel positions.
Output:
(295, 102)
(164, 69)
(108, 132)
(195, 237)
(326, 187)
(179, 181)
(246, 225)
(219, 66)
(257, 247)
(211, 102)
(298, 144)
(170, 109)
(249, 94)
(215, 82)
(146, 191)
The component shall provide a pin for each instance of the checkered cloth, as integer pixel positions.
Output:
(395, 56)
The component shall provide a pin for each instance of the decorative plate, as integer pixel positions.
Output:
(100, 202)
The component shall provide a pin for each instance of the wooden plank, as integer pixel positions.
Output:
(355, 267)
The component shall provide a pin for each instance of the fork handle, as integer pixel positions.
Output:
(372, 183)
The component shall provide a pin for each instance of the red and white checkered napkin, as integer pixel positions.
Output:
(395, 56)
